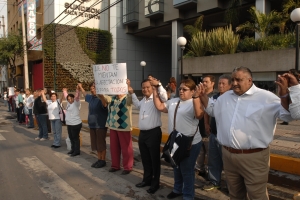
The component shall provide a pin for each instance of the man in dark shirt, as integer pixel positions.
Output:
(96, 119)
(41, 114)
(204, 127)
(215, 163)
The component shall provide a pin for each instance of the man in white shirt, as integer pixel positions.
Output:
(246, 120)
(150, 133)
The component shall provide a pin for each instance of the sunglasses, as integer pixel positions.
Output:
(183, 89)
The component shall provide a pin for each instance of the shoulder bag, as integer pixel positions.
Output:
(62, 113)
(178, 146)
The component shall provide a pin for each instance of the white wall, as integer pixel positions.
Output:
(70, 16)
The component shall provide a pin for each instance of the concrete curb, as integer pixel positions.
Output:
(277, 162)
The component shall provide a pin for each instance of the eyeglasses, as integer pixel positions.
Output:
(183, 89)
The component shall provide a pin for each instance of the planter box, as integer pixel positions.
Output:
(259, 61)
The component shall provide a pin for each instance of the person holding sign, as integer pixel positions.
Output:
(150, 133)
(96, 119)
(119, 121)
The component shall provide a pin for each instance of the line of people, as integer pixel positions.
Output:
(239, 120)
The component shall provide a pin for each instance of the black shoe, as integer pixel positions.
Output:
(52, 146)
(152, 190)
(113, 170)
(202, 173)
(70, 152)
(284, 123)
(173, 195)
(93, 165)
(100, 164)
(74, 154)
(142, 184)
(125, 172)
(56, 146)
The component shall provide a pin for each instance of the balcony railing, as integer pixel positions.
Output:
(154, 8)
(181, 3)
(130, 11)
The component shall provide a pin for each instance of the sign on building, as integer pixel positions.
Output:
(36, 44)
(110, 78)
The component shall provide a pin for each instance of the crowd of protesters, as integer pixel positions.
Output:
(232, 127)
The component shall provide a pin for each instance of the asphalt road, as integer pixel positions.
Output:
(31, 170)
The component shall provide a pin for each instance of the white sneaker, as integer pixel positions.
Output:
(43, 139)
(37, 138)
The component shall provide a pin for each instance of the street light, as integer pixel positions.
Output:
(143, 64)
(181, 41)
(295, 17)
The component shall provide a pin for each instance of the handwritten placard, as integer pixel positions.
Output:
(11, 91)
(110, 78)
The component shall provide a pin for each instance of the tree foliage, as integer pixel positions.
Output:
(261, 23)
(196, 28)
(11, 48)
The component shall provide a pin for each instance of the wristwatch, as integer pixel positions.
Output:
(159, 84)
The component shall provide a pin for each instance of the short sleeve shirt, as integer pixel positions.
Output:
(53, 109)
(186, 123)
(97, 113)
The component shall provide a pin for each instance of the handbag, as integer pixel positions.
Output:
(26, 111)
(62, 113)
(178, 146)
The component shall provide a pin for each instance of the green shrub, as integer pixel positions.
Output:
(197, 46)
(222, 41)
(272, 42)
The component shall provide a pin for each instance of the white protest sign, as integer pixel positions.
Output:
(110, 78)
(11, 91)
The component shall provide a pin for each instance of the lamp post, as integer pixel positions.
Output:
(181, 41)
(143, 64)
(295, 17)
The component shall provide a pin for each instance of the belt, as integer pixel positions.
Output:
(145, 131)
(243, 151)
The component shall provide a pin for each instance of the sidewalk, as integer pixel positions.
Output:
(285, 144)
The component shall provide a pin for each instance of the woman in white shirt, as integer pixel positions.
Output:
(73, 120)
(53, 113)
(188, 114)
(28, 104)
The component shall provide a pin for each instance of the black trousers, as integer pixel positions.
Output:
(73, 132)
(149, 145)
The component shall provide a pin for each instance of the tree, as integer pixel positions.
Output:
(261, 23)
(290, 5)
(196, 28)
(11, 48)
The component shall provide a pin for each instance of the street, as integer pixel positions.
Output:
(32, 170)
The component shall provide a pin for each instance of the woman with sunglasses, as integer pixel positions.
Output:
(188, 114)
(53, 113)
(73, 120)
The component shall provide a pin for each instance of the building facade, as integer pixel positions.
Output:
(142, 30)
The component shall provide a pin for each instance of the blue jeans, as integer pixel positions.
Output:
(42, 122)
(56, 129)
(9, 106)
(184, 175)
(30, 118)
(215, 162)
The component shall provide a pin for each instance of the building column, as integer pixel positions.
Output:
(263, 6)
(177, 31)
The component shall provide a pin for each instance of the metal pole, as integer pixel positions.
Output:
(54, 56)
(24, 48)
(181, 68)
(297, 47)
(3, 25)
(143, 72)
